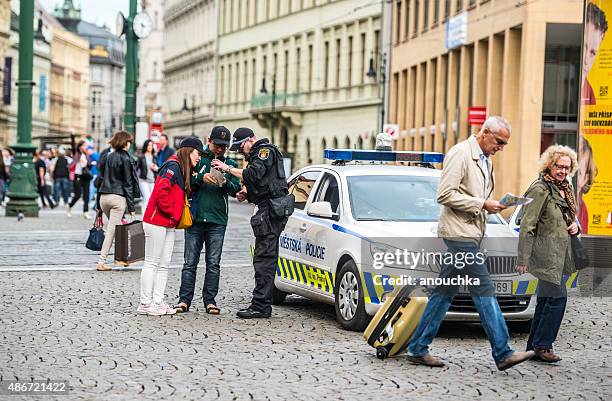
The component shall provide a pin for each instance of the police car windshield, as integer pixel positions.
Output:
(396, 198)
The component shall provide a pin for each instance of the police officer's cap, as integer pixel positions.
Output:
(220, 135)
(241, 135)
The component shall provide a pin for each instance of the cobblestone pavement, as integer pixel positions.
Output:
(80, 325)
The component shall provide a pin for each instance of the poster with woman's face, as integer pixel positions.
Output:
(594, 177)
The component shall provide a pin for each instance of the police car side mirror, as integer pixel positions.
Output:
(321, 209)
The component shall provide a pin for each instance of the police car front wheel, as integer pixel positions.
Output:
(350, 306)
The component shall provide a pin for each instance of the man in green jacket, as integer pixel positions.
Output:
(209, 208)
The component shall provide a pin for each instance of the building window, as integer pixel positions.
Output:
(416, 17)
(222, 83)
(407, 20)
(338, 51)
(350, 61)
(425, 14)
(309, 68)
(447, 9)
(459, 6)
(286, 83)
(363, 58)
(298, 66)
(326, 72)
(436, 15)
(398, 20)
(245, 74)
(253, 76)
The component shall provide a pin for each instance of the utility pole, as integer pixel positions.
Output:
(131, 71)
(22, 191)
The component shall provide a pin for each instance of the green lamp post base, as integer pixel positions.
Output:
(22, 189)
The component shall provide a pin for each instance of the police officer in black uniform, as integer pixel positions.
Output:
(266, 186)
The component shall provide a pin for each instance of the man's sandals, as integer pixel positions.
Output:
(212, 309)
(181, 307)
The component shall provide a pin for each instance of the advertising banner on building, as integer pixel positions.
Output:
(594, 180)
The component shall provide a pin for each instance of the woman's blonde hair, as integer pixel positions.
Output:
(552, 154)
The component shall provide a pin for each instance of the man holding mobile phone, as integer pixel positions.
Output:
(210, 190)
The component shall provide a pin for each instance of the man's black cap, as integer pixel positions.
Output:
(220, 135)
(192, 142)
(241, 135)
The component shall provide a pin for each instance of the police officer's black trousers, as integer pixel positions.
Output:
(265, 257)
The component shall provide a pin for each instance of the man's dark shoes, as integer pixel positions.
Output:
(250, 313)
(426, 360)
(514, 359)
(546, 355)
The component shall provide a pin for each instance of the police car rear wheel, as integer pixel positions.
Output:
(350, 306)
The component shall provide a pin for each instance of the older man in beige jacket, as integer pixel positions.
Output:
(464, 192)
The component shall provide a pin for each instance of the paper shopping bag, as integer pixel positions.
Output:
(129, 242)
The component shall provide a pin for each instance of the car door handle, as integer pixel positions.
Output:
(303, 227)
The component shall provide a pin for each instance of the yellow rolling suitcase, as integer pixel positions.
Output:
(395, 322)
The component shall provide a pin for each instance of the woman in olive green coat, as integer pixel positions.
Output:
(544, 245)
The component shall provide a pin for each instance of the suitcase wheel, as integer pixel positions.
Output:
(381, 353)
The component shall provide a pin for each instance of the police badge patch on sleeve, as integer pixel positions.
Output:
(263, 153)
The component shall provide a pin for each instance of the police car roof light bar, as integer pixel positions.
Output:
(346, 155)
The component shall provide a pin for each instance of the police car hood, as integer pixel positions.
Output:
(394, 229)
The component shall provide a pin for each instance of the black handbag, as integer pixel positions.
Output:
(96, 235)
(282, 207)
(579, 253)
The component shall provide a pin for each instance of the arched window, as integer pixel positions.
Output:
(308, 155)
(373, 142)
(360, 142)
(347, 143)
(323, 147)
(335, 143)
(284, 139)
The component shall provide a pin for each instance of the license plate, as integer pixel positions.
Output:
(501, 288)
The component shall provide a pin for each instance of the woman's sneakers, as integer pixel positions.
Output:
(155, 309)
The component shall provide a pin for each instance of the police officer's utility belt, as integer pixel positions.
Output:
(282, 206)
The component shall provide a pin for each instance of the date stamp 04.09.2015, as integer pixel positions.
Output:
(34, 387)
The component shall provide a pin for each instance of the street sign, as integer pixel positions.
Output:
(457, 30)
(477, 115)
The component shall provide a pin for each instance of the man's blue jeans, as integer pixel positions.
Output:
(61, 186)
(552, 299)
(483, 297)
(198, 235)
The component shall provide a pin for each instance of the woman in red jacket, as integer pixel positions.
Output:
(163, 213)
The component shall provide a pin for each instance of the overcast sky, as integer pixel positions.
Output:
(97, 11)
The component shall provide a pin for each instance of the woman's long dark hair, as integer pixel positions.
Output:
(145, 146)
(184, 162)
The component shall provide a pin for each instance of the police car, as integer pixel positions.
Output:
(347, 210)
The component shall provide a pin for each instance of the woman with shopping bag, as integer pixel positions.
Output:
(165, 210)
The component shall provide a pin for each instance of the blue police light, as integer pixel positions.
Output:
(345, 155)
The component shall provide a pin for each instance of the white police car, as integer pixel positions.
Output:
(343, 210)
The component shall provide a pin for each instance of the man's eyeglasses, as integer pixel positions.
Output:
(500, 142)
(563, 168)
